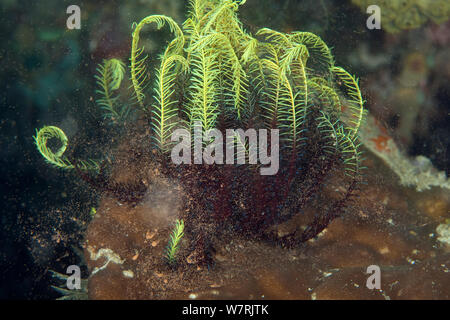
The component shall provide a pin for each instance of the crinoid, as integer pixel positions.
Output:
(215, 75)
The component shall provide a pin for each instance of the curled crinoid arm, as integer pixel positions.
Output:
(138, 58)
(57, 158)
(319, 52)
(278, 39)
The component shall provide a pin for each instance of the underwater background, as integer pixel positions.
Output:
(47, 77)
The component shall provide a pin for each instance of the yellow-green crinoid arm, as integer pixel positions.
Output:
(174, 241)
(233, 70)
(165, 110)
(137, 60)
(109, 78)
(354, 98)
(319, 53)
(57, 158)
